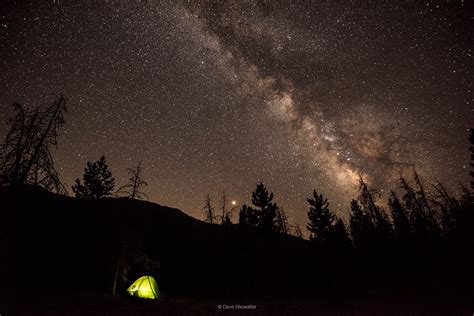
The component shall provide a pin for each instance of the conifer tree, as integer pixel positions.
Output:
(381, 227)
(320, 218)
(378, 216)
(97, 181)
(248, 218)
(449, 208)
(263, 216)
(422, 220)
(243, 216)
(266, 209)
(360, 225)
(401, 222)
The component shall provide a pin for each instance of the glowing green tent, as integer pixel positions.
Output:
(144, 287)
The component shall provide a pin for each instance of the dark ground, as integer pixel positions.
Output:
(59, 256)
(56, 304)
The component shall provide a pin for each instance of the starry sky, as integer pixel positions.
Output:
(222, 95)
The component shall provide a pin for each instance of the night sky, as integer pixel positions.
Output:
(215, 96)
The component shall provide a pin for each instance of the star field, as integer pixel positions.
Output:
(222, 95)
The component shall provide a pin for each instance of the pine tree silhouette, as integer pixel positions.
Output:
(97, 181)
(263, 217)
(360, 225)
(401, 222)
(377, 214)
(320, 218)
(248, 217)
(422, 218)
(380, 234)
(266, 210)
(448, 207)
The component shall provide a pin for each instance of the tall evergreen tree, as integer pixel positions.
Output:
(360, 226)
(263, 216)
(97, 181)
(423, 220)
(381, 227)
(378, 216)
(320, 218)
(266, 209)
(248, 217)
(401, 222)
(449, 208)
(430, 214)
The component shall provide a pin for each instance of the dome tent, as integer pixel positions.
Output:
(144, 287)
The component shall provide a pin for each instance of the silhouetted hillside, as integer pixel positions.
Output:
(52, 241)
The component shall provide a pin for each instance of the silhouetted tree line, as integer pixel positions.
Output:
(418, 237)
(25, 156)
(414, 218)
(97, 182)
(412, 221)
(411, 216)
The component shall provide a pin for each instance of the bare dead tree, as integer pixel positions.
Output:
(226, 216)
(25, 156)
(208, 209)
(135, 183)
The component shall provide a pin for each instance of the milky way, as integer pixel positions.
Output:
(218, 95)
